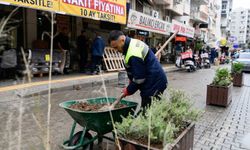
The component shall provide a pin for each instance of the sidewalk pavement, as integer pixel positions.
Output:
(64, 83)
(225, 128)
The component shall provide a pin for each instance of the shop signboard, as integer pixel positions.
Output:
(223, 42)
(232, 39)
(235, 45)
(137, 20)
(183, 29)
(106, 10)
(180, 39)
(48, 5)
(143, 33)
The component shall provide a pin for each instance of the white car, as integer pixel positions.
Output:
(244, 58)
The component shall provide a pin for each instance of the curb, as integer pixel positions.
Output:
(76, 85)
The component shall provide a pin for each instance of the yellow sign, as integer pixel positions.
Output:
(223, 42)
(47, 57)
(50, 5)
(106, 10)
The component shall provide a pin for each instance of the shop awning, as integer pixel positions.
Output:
(150, 2)
(105, 10)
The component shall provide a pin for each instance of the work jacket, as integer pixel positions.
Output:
(143, 69)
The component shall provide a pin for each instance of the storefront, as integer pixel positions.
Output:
(154, 30)
(184, 37)
(73, 15)
(11, 34)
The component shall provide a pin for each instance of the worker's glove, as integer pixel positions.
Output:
(125, 92)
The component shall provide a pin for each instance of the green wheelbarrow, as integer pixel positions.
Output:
(99, 122)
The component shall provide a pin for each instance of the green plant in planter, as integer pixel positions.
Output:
(237, 68)
(169, 116)
(222, 77)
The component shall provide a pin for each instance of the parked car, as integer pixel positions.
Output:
(246, 50)
(244, 58)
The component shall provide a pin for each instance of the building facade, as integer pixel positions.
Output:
(226, 9)
(214, 32)
(239, 26)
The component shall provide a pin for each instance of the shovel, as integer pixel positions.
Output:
(112, 106)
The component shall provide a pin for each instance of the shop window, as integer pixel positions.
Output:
(43, 23)
(14, 37)
(109, 25)
(139, 6)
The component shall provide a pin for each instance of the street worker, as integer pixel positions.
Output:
(143, 69)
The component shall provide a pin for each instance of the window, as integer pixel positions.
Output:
(223, 12)
(139, 6)
(224, 6)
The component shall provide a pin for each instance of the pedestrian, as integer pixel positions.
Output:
(97, 53)
(62, 43)
(213, 55)
(143, 69)
(158, 47)
(82, 49)
(178, 49)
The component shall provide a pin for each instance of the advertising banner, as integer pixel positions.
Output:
(141, 21)
(106, 10)
(49, 5)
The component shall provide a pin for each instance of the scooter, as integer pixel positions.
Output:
(198, 62)
(187, 59)
(189, 65)
(222, 59)
(205, 60)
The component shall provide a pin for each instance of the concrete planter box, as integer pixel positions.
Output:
(183, 142)
(237, 79)
(219, 95)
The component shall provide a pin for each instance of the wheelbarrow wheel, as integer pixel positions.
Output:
(77, 137)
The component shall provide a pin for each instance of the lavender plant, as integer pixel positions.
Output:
(170, 115)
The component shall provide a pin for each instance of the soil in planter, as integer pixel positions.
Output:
(92, 107)
(158, 145)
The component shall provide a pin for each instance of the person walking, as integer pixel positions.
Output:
(143, 69)
(97, 53)
(83, 51)
(62, 43)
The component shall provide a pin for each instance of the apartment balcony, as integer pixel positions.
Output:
(213, 15)
(186, 9)
(200, 2)
(204, 9)
(176, 7)
(163, 2)
(199, 17)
